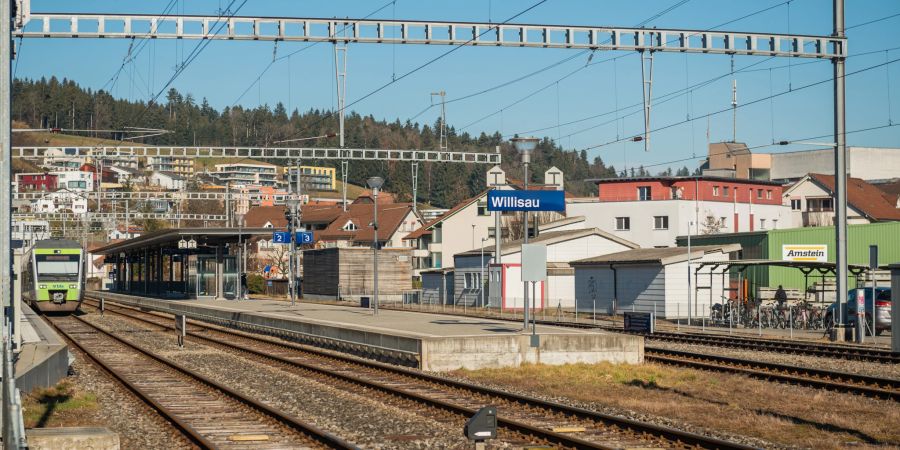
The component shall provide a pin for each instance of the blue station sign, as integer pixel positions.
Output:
(284, 237)
(526, 201)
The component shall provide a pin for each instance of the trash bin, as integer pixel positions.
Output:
(364, 302)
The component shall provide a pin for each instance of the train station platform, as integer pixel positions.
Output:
(43, 358)
(429, 341)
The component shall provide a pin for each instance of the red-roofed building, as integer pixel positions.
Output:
(812, 202)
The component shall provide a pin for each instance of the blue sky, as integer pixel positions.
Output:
(226, 69)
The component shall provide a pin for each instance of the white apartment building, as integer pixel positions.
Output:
(75, 180)
(61, 201)
(30, 231)
(260, 174)
(175, 164)
(653, 211)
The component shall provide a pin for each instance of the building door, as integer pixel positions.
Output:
(230, 281)
(206, 276)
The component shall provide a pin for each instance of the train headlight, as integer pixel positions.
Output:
(73, 286)
(42, 286)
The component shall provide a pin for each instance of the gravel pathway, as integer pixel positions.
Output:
(367, 419)
(873, 369)
(138, 426)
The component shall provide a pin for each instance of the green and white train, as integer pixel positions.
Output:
(53, 276)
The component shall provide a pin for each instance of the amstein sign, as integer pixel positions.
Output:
(526, 201)
(804, 253)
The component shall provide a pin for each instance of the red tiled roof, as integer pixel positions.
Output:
(863, 196)
(390, 218)
(258, 216)
(426, 229)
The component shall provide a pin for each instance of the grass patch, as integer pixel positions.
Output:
(44, 406)
(779, 413)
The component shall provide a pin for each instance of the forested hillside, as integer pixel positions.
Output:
(55, 103)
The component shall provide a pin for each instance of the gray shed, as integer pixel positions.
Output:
(437, 286)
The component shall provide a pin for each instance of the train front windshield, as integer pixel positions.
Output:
(57, 267)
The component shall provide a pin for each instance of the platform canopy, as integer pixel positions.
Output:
(803, 266)
(171, 237)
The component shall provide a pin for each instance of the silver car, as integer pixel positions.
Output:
(882, 301)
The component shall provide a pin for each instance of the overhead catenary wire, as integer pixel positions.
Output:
(427, 63)
(749, 103)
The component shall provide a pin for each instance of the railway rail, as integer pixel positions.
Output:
(818, 378)
(207, 413)
(546, 421)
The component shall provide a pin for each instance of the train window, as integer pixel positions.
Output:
(57, 267)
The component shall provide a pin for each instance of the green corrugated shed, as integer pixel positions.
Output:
(767, 245)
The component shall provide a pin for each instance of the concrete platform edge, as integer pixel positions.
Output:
(42, 364)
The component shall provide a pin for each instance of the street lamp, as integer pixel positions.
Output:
(375, 184)
(525, 145)
(292, 202)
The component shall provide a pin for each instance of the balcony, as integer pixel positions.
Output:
(434, 247)
(818, 218)
(416, 253)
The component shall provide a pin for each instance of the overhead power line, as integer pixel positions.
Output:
(743, 105)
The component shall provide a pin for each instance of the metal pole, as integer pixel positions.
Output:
(525, 240)
(6, 295)
(840, 172)
(375, 252)
(689, 271)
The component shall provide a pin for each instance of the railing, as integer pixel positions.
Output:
(818, 218)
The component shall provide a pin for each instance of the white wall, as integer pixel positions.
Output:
(863, 162)
(410, 223)
(603, 215)
(457, 233)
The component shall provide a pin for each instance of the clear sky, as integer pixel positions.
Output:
(226, 69)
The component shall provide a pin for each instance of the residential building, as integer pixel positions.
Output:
(121, 233)
(169, 181)
(474, 268)
(257, 195)
(650, 280)
(247, 173)
(734, 160)
(107, 175)
(39, 181)
(75, 180)
(312, 178)
(121, 160)
(62, 200)
(30, 231)
(652, 211)
(181, 165)
(354, 227)
(811, 201)
(127, 174)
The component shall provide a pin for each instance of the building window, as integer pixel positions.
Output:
(725, 191)
(769, 194)
(660, 222)
(715, 191)
(762, 224)
(723, 222)
(759, 193)
(482, 209)
(795, 204)
(349, 226)
(819, 204)
(623, 223)
(643, 193)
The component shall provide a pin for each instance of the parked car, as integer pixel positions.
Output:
(882, 301)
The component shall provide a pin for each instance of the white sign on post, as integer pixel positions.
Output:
(804, 253)
(534, 262)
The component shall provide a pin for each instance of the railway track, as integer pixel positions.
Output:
(208, 414)
(548, 422)
(818, 378)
